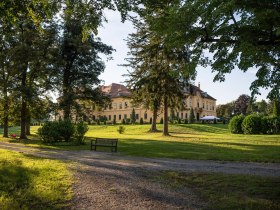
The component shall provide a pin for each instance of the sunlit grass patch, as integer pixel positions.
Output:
(33, 183)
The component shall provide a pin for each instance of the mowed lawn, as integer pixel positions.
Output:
(28, 182)
(190, 141)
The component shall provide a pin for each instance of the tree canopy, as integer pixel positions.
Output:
(225, 35)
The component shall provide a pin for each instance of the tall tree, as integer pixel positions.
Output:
(158, 72)
(79, 63)
(241, 104)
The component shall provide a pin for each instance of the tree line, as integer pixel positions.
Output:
(49, 45)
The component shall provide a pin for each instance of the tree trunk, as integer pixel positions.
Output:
(165, 116)
(154, 122)
(6, 113)
(28, 121)
(23, 105)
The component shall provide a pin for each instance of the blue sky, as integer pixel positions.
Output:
(114, 32)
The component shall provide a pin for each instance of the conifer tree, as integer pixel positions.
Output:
(191, 116)
(133, 116)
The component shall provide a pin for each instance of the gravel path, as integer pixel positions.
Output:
(111, 181)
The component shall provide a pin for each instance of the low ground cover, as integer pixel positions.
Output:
(223, 191)
(28, 182)
(186, 141)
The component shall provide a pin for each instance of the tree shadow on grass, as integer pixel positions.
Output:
(201, 151)
(17, 187)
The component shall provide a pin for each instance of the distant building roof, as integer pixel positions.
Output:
(115, 90)
(192, 89)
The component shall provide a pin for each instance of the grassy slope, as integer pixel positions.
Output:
(33, 183)
(196, 141)
(222, 191)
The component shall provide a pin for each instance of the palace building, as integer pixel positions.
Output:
(121, 108)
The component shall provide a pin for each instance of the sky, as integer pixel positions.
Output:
(115, 32)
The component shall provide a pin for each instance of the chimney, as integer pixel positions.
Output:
(199, 85)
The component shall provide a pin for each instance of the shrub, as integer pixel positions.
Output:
(49, 132)
(224, 121)
(252, 124)
(161, 121)
(186, 121)
(127, 121)
(123, 121)
(141, 121)
(273, 125)
(121, 129)
(215, 121)
(81, 129)
(235, 124)
(66, 129)
(191, 116)
(179, 121)
(151, 120)
(114, 121)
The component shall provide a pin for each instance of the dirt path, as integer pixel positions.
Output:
(111, 181)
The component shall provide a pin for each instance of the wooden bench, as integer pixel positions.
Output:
(104, 142)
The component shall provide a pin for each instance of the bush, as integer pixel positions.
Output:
(114, 121)
(272, 125)
(252, 124)
(52, 132)
(215, 121)
(81, 129)
(161, 121)
(66, 129)
(179, 121)
(235, 124)
(121, 129)
(141, 121)
(186, 121)
(127, 121)
(151, 120)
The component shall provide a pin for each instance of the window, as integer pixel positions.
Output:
(120, 117)
(137, 116)
(109, 117)
(186, 116)
(120, 105)
(114, 105)
(198, 104)
(125, 105)
(115, 117)
(125, 116)
(203, 105)
(110, 106)
(145, 116)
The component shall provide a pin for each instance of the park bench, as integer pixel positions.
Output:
(104, 142)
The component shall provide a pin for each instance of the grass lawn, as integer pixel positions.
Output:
(222, 191)
(191, 141)
(27, 182)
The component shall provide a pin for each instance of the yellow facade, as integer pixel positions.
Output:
(121, 107)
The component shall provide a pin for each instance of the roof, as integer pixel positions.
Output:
(115, 90)
(194, 89)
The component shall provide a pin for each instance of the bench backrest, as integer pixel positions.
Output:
(106, 141)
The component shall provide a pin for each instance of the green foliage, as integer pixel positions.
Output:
(141, 121)
(151, 120)
(114, 121)
(133, 116)
(161, 121)
(242, 34)
(191, 117)
(179, 121)
(215, 121)
(123, 121)
(186, 121)
(127, 121)
(235, 124)
(63, 130)
(81, 129)
(252, 124)
(276, 108)
(66, 129)
(121, 129)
